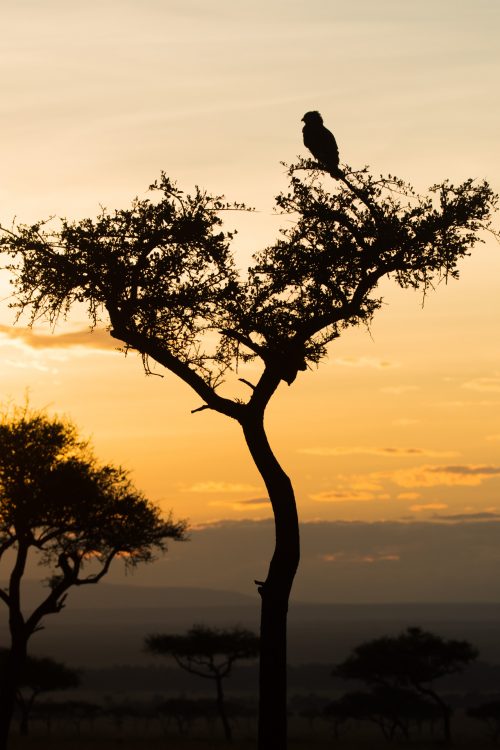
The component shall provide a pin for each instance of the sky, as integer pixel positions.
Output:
(398, 424)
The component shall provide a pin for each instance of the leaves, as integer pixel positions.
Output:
(163, 276)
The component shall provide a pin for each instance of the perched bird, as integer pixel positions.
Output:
(321, 143)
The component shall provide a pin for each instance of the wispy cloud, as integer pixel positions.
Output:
(243, 505)
(370, 362)
(428, 506)
(349, 557)
(484, 384)
(408, 496)
(83, 338)
(211, 487)
(466, 404)
(398, 390)
(352, 490)
(458, 517)
(388, 452)
(467, 475)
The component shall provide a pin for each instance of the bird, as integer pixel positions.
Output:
(321, 143)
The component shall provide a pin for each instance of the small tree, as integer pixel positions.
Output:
(197, 653)
(164, 275)
(40, 675)
(58, 505)
(390, 708)
(413, 659)
(489, 714)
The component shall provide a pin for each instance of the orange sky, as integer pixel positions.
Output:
(99, 97)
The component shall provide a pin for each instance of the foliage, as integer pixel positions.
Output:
(390, 708)
(413, 658)
(165, 274)
(197, 653)
(198, 649)
(57, 500)
(489, 714)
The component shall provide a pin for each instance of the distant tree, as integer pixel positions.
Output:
(39, 675)
(163, 276)
(390, 708)
(412, 660)
(209, 653)
(489, 714)
(61, 508)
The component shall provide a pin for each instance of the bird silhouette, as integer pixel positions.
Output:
(321, 143)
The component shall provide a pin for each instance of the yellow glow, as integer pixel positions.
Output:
(101, 97)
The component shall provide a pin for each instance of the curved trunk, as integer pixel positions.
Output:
(275, 590)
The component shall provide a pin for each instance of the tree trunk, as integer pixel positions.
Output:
(222, 709)
(275, 591)
(445, 709)
(8, 687)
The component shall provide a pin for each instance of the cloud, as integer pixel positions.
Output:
(465, 404)
(210, 487)
(243, 505)
(343, 496)
(98, 339)
(398, 390)
(355, 490)
(346, 557)
(388, 452)
(493, 438)
(435, 476)
(479, 516)
(428, 506)
(408, 496)
(484, 385)
(379, 364)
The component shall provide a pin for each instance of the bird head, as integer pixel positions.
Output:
(312, 118)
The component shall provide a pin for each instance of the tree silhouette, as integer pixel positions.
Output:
(413, 659)
(39, 675)
(197, 653)
(69, 513)
(163, 275)
(489, 714)
(390, 708)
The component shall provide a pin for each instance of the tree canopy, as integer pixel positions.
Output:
(164, 272)
(77, 514)
(198, 649)
(412, 660)
(209, 653)
(162, 275)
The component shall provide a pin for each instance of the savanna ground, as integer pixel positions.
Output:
(67, 743)
(466, 736)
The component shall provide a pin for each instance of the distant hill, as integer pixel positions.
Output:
(106, 624)
(130, 596)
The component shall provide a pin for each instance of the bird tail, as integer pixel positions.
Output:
(336, 173)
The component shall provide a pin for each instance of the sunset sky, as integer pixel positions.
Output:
(402, 422)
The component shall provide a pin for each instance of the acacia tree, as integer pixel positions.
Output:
(40, 675)
(62, 509)
(209, 653)
(163, 276)
(412, 660)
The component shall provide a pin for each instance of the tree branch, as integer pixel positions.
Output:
(144, 345)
